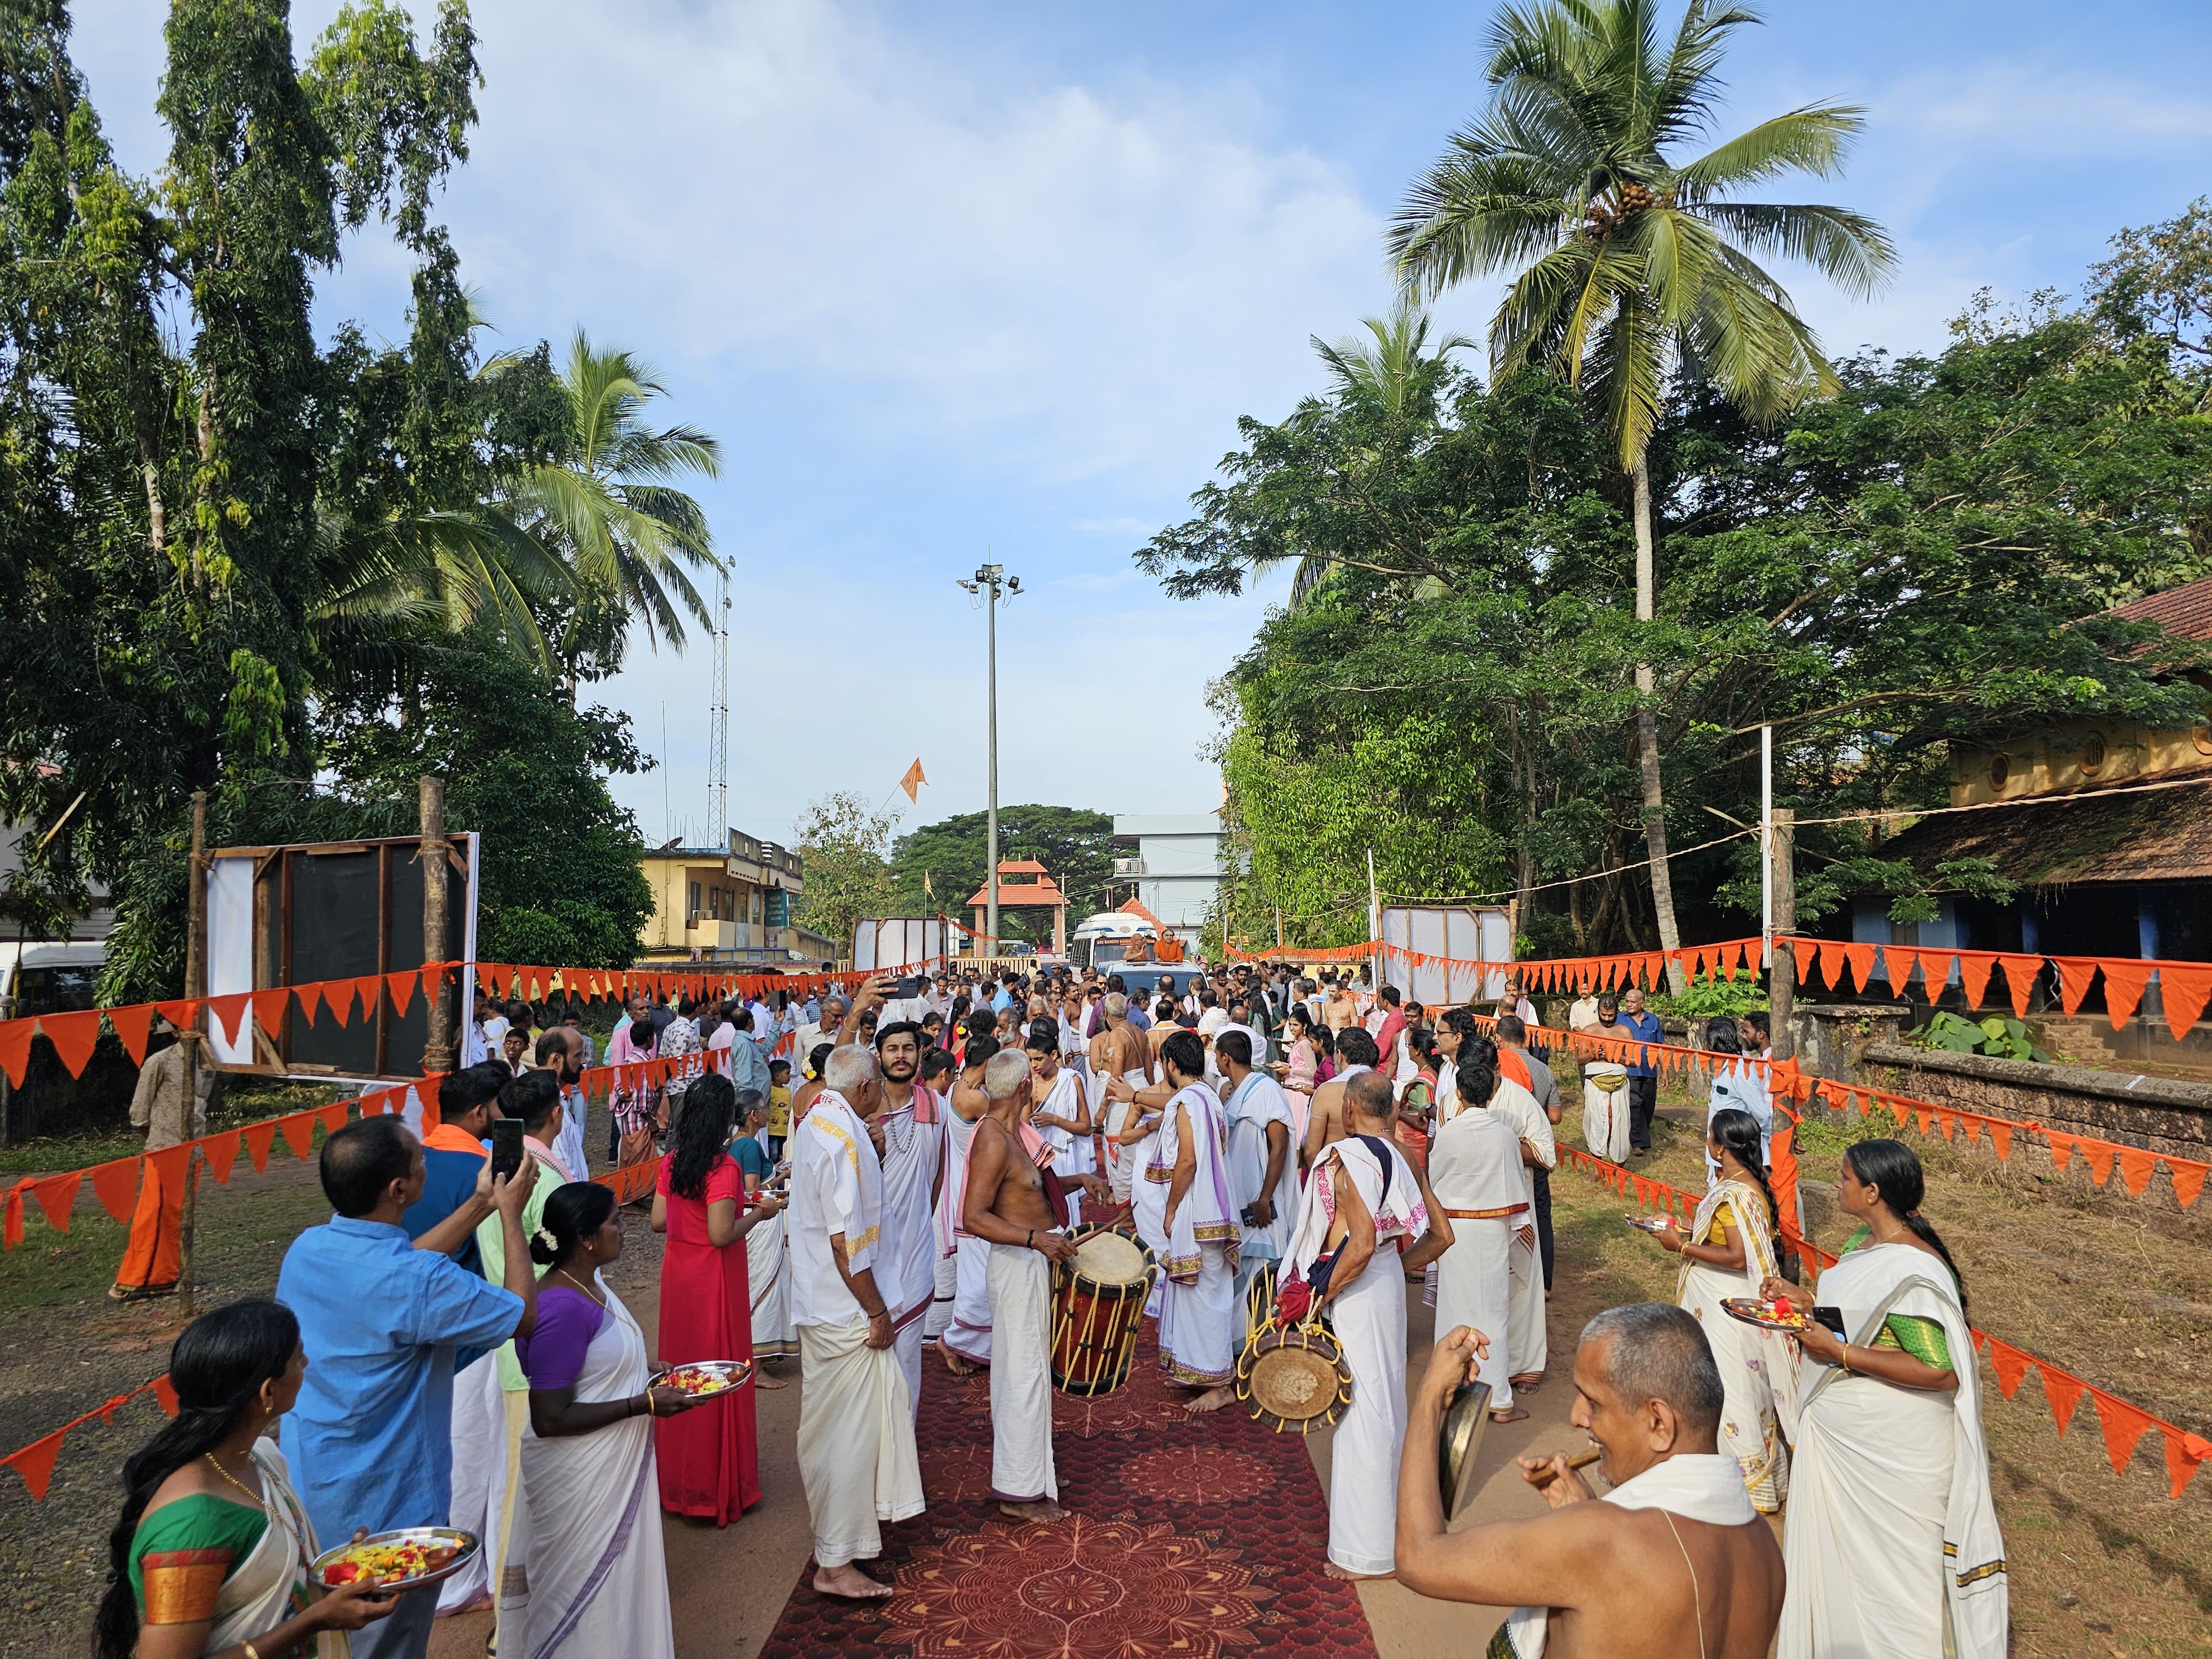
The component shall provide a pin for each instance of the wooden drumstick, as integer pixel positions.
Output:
(1582, 1460)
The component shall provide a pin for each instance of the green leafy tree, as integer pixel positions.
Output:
(845, 848)
(1075, 847)
(607, 505)
(1628, 262)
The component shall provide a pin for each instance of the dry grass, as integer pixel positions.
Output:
(2121, 1296)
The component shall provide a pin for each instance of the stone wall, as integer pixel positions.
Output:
(2161, 1115)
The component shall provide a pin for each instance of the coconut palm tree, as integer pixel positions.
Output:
(609, 511)
(1394, 371)
(1630, 265)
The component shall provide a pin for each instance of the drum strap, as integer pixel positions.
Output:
(1486, 1215)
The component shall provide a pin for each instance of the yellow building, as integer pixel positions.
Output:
(730, 904)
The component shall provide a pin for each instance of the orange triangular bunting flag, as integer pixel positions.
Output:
(228, 1011)
(1861, 956)
(311, 1002)
(2062, 1147)
(1935, 973)
(2123, 989)
(2136, 1167)
(16, 1048)
(132, 1024)
(2074, 975)
(2009, 1363)
(1804, 950)
(116, 1186)
(2100, 1154)
(2020, 973)
(2188, 1179)
(2064, 1392)
(57, 1197)
(402, 987)
(2184, 992)
(269, 1007)
(2185, 1455)
(165, 1393)
(333, 1116)
(259, 1137)
(2124, 1424)
(183, 1015)
(220, 1152)
(1974, 974)
(35, 1463)
(2001, 1137)
(1897, 967)
(73, 1036)
(299, 1132)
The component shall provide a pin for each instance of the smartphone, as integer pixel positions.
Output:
(903, 986)
(1832, 1317)
(505, 1146)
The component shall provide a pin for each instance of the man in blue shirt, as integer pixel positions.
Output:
(1643, 1075)
(368, 1441)
(453, 1153)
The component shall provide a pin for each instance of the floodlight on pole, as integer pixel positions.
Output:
(992, 584)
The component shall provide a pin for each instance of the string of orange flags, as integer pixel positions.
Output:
(2184, 988)
(115, 1183)
(2124, 1424)
(75, 1033)
(1787, 1081)
(34, 1463)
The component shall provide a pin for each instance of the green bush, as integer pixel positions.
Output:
(1999, 1035)
(1738, 993)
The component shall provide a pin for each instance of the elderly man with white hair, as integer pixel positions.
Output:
(856, 1447)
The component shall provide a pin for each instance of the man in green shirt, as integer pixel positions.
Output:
(534, 1097)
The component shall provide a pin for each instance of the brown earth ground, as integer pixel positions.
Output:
(2099, 1564)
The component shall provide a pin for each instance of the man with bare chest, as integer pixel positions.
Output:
(1326, 1124)
(1006, 1204)
(1672, 1563)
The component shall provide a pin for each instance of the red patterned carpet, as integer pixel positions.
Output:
(1189, 1538)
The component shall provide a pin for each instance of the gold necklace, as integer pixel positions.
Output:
(257, 1501)
(582, 1286)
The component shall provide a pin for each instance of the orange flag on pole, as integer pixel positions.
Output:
(913, 781)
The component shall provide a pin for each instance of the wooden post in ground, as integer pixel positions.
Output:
(1782, 970)
(438, 1046)
(188, 1038)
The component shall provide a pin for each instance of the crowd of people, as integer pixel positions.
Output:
(447, 1350)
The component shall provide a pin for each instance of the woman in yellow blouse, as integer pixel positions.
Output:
(1729, 1251)
(1892, 1544)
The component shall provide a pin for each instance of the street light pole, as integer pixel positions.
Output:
(991, 581)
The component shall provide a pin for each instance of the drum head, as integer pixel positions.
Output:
(1110, 1259)
(1464, 1420)
(1296, 1384)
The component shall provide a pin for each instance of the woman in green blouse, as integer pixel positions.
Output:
(1892, 1543)
(209, 1559)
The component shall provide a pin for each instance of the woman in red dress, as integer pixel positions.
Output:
(708, 1459)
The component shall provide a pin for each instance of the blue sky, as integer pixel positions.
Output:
(974, 276)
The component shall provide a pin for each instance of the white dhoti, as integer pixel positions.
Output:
(478, 1439)
(969, 1334)
(856, 1451)
(1148, 1212)
(1474, 1289)
(1605, 1110)
(767, 1274)
(906, 1346)
(1528, 1343)
(1370, 1317)
(938, 1319)
(1021, 1379)
(1200, 1321)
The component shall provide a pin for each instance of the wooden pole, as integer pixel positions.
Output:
(1782, 969)
(437, 1046)
(188, 1039)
